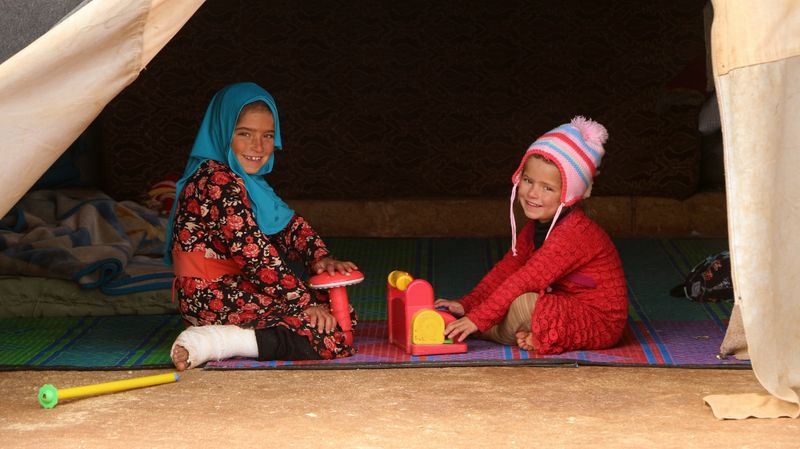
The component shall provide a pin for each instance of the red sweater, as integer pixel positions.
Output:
(577, 272)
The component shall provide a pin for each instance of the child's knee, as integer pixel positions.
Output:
(519, 314)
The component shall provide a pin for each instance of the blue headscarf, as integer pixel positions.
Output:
(213, 142)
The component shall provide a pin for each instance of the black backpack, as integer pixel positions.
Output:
(709, 281)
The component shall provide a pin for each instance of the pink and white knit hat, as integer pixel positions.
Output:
(576, 148)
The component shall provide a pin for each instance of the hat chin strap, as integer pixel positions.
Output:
(513, 221)
(555, 218)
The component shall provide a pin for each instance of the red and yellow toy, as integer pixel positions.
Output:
(414, 324)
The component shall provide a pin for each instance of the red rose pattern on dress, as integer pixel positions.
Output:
(214, 217)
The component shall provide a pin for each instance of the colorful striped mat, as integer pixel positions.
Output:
(662, 330)
(110, 342)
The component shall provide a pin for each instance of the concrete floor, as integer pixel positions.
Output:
(486, 407)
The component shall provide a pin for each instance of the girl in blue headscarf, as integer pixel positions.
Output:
(230, 234)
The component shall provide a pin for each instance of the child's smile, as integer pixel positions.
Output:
(253, 140)
(539, 190)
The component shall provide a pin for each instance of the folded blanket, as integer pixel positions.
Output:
(87, 237)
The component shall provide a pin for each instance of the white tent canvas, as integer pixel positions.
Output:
(756, 57)
(52, 89)
(55, 87)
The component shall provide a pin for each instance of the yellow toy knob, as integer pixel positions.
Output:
(400, 279)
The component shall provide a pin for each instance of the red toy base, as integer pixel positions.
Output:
(449, 348)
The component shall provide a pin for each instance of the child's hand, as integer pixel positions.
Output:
(453, 307)
(332, 265)
(460, 329)
(321, 318)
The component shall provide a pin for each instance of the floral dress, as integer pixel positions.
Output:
(214, 216)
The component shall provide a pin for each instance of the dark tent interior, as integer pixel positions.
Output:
(434, 102)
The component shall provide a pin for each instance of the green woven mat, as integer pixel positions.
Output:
(112, 342)
(453, 266)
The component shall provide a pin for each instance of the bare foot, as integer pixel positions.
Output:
(525, 340)
(180, 358)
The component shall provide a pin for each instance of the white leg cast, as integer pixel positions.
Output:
(216, 342)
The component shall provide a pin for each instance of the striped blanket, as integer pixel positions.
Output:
(87, 237)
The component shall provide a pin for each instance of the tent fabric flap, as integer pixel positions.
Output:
(750, 405)
(758, 86)
(56, 86)
(747, 33)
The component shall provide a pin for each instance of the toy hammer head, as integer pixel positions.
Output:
(326, 281)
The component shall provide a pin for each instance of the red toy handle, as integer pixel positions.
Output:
(340, 305)
(340, 308)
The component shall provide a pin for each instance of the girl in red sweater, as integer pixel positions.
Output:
(561, 286)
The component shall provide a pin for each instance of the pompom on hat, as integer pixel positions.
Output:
(576, 148)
